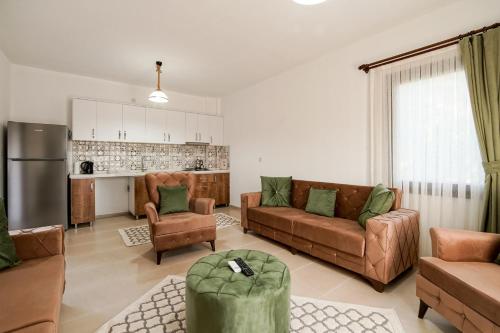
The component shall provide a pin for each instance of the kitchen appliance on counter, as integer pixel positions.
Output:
(87, 168)
(37, 176)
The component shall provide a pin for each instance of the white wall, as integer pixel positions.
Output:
(311, 122)
(44, 96)
(4, 113)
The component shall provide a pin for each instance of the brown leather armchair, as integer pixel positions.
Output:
(460, 281)
(178, 229)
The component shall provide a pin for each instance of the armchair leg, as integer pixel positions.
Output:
(245, 230)
(212, 243)
(158, 257)
(422, 309)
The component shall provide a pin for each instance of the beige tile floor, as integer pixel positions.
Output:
(103, 276)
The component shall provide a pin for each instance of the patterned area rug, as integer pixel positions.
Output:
(162, 309)
(140, 235)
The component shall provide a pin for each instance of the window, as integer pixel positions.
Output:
(433, 153)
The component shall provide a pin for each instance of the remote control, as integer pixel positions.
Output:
(234, 266)
(244, 267)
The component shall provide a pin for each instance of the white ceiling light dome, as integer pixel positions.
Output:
(308, 2)
(158, 96)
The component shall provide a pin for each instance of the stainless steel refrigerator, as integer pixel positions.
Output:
(37, 175)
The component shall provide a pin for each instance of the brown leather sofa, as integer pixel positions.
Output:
(387, 247)
(178, 229)
(31, 293)
(460, 281)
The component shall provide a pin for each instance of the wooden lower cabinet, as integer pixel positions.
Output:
(222, 193)
(138, 196)
(82, 201)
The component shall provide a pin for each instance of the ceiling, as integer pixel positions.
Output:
(209, 47)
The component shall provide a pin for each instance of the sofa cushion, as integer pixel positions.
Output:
(342, 234)
(321, 202)
(476, 284)
(182, 222)
(276, 191)
(33, 290)
(173, 199)
(8, 256)
(379, 202)
(280, 218)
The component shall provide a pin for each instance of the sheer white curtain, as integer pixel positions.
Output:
(424, 140)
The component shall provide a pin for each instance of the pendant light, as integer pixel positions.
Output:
(158, 96)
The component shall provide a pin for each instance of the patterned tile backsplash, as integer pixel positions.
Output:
(119, 156)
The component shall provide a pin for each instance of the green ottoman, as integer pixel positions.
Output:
(221, 301)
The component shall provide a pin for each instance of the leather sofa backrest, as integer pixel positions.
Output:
(350, 198)
(153, 180)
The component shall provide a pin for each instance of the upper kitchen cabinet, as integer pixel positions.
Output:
(109, 122)
(204, 129)
(84, 123)
(216, 131)
(134, 123)
(155, 125)
(176, 127)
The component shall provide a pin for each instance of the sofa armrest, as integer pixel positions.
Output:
(464, 245)
(203, 206)
(392, 243)
(248, 200)
(151, 212)
(38, 242)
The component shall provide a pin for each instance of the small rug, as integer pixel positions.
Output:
(139, 235)
(162, 309)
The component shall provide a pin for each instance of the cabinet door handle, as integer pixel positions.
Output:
(124, 135)
(211, 139)
(119, 135)
(91, 186)
(93, 133)
(168, 137)
(164, 137)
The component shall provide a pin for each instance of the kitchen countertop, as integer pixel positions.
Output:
(137, 173)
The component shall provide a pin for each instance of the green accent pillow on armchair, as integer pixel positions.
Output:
(379, 202)
(276, 191)
(173, 199)
(8, 257)
(321, 202)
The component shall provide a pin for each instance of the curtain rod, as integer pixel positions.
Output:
(425, 49)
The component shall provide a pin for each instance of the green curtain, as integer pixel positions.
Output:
(481, 58)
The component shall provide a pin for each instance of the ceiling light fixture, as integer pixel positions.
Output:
(308, 2)
(158, 96)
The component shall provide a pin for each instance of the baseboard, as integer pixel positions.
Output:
(104, 216)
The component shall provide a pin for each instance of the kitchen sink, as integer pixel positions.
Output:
(196, 169)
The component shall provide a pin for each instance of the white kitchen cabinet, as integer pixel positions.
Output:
(155, 125)
(134, 123)
(204, 128)
(191, 127)
(216, 131)
(84, 120)
(109, 122)
(175, 128)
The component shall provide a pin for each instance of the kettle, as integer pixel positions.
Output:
(87, 167)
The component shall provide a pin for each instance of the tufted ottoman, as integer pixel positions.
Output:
(221, 301)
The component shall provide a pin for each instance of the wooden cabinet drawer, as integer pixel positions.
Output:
(206, 178)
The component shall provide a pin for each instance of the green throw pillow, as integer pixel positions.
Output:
(8, 257)
(173, 199)
(321, 202)
(497, 260)
(276, 191)
(379, 202)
